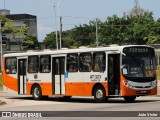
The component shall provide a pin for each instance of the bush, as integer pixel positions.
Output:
(158, 72)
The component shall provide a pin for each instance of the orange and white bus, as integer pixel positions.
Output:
(117, 71)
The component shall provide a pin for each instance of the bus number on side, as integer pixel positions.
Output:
(95, 77)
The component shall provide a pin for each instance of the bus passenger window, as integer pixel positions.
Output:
(7, 70)
(96, 67)
(85, 60)
(13, 69)
(72, 62)
(11, 65)
(33, 64)
(99, 62)
(45, 64)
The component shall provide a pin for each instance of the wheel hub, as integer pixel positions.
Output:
(99, 94)
(36, 92)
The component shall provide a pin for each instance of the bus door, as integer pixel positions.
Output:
(113, 73)
(22, 76)
(58, 78)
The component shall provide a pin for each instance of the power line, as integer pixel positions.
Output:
(51, 17)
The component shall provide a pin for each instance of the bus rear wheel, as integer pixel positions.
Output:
(36, 92)
(129, 98)
(99, 94)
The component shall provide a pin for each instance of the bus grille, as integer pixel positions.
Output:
(142, 87)
(143, 92)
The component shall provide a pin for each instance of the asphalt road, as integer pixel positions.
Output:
(25, 103)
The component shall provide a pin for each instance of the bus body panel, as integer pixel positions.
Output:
(10, 82)
(82, 88)
(74, 83)
(139, 91)
(46, 88)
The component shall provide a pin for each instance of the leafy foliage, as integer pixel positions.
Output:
(138, 27)
(16, 32)
(30, 42)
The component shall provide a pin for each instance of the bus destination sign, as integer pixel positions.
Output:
(136, 50)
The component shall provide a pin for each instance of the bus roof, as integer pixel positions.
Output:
(66, 51)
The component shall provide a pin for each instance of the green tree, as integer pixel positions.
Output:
(30, 42)
(137, 27)
(67, 41)
(16, 32)
(50, 41)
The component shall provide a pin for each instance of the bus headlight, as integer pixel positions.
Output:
(127, 84)
(153, 83)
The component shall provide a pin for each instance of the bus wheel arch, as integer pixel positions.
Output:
(36, 91)
(99, 93)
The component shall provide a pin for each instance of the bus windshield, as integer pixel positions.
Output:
(139, 63)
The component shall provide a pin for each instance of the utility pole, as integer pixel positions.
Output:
(1, 43)
(97, 33)
(56, 26)
(60, 33)
(60, 27)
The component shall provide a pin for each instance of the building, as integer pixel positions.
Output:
(4, 12)
(10, 42)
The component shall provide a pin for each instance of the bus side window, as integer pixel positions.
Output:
(72, 62)
(45, 64)
(33, 64)
(99, 61)
(85, 62)
(11, 65)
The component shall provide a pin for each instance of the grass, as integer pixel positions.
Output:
(2, 103)
(0, 82)
(158, 72)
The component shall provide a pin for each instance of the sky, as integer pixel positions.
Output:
(74, 12)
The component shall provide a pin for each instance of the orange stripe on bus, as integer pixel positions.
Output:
(45, 87)
(82, 88)
(10, 82)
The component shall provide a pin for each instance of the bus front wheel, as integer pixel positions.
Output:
(37, 92)
(129, 98)
(99, 94)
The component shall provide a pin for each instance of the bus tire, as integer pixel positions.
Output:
(99, 94)
(129, 98)
(37, 92)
